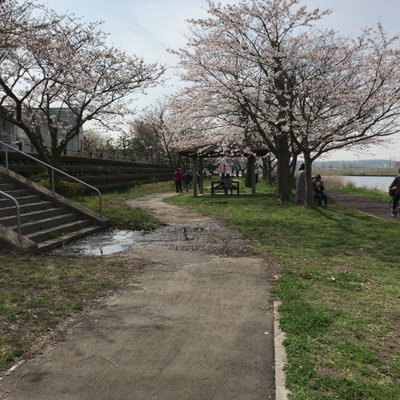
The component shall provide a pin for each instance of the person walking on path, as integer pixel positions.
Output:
(187, 180)
(396, 197)
(301, 185)
(178, 180)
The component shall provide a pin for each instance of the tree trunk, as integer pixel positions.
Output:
(293, 165)
(283, 168)
(309, 186)
(201, 176)
(195, 168)
(267, 170)
(251, 166)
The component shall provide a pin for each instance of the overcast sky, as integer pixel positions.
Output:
(148, 28)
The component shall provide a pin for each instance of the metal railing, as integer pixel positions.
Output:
(53, 170)
(18, 212)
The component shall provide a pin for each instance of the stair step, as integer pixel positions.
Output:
(18, 192)
(68, 237)
(21, 200)
(43, 220)
(33, 216)
(4, 186)
(56, 232)
(24, 208)
(44, 224)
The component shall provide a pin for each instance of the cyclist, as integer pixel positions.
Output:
(396, 197)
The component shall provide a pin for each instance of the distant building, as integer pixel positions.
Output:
(12, 134)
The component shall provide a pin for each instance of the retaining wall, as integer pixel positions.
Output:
(102, 173)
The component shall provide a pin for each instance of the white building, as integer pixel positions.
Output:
(12, 134)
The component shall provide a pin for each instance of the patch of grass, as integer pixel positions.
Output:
(340, 292)
(372, 194)
(359, 171)
(116, 208)
(338, 183)
(37, 292)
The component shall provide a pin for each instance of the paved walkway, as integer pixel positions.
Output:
(196, 324)
(373, 207)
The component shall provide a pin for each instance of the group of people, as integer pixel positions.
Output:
(321, 198)
(186, 179)
(318, 188)
(180, 178)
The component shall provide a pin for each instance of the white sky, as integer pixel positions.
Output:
(148, 28)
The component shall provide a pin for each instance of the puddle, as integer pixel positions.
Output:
(103, 243)
(191, 237)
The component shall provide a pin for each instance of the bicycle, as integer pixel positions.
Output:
(396, 212)
(393, 213)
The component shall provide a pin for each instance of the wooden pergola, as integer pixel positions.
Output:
(199, 153)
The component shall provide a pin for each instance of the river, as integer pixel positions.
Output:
(380, 183)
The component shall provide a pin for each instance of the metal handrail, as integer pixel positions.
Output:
(18, 212)
(52, 173)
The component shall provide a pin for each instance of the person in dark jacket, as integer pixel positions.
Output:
(228, 183)
(319, 191)
(396, 197)
(187, 180)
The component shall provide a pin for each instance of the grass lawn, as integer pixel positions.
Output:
(340, 291)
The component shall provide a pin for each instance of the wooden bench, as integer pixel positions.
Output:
(217, 185)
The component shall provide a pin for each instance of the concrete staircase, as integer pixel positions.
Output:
(47, 220)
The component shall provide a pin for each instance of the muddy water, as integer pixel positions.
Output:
(183, 230)
(102, 244)
(211, 237)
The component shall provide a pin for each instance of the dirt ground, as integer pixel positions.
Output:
(196, 323)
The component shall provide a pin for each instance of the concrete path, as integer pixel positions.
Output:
(196, 324)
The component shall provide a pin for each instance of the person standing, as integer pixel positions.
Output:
(396, 197)
(187, 180)
(178, 180)
(301, 185)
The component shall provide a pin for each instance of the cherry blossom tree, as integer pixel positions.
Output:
(236, 62)
(263, 65)
(50, 64)
(94, 142)
(155, 133)
(124, 144)
(350, 97)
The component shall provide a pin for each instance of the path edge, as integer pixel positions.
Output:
(281, 392)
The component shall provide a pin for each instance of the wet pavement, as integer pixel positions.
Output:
(190, 237)
(104, 243)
